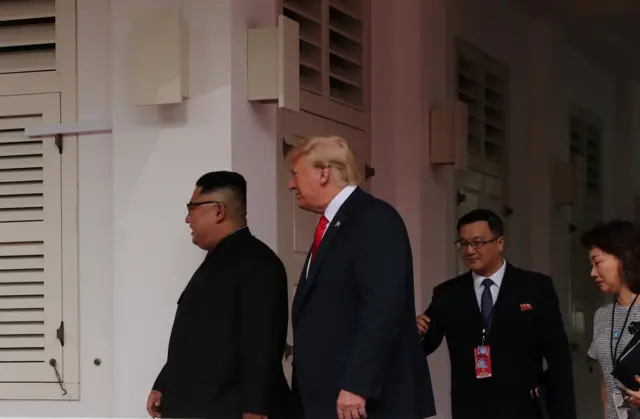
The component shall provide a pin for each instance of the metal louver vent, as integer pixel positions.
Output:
(27, 36)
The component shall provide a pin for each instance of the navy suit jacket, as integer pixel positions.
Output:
(353, 318)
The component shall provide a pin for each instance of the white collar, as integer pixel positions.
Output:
(337, 201)
(497, 277)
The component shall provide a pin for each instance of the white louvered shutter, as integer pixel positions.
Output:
(30, 241)
(482, 82)
(27, 36)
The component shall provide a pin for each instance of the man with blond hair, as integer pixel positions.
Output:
(356, 350)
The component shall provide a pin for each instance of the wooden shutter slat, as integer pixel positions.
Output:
(21, 316)
(7, 290)
(21, 303)
(21, 276)
(27, 35)
(21, 342)
(22, 249)
(21, 202)
(12, 136)
(21, 149)
(28, 162)
(20, 328)
(27, 61)
(21, 232)
(31, 262)
(26, 9)
(20, 122)
(22, 355)
(30, 175)
(20, 188)
(21, 214)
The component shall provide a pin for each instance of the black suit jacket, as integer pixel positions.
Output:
(228, 337)
(353, 318)
(519, 338)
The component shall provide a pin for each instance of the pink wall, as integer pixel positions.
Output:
(412, 71)
(406, 54)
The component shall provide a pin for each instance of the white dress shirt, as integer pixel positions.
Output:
(332, 210)
(495, 287)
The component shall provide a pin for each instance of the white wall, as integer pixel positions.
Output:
(135, 250)
(158, 154)
(253, 126)
(409, 48)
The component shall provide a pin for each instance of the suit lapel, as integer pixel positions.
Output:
(325, 244)
(470, 298)
(305, 285)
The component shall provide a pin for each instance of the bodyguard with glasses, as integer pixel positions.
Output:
(500, 322)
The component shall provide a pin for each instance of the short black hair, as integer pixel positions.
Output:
(495, 222)
(224, 180)
(622, 240)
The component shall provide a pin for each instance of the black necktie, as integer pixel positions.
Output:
(486, 301)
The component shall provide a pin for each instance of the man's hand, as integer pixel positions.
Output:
(153, 403)
(351, 406)
(253, 416)
(423, 324)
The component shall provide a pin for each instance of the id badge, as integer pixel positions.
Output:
(482, 355)
(618, 402)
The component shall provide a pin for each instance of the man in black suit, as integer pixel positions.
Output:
(496, 351)
(356, 349)
(228, 338)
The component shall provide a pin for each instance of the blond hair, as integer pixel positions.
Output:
(332, 152)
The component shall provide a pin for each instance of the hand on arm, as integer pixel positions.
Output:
(423, 324)
(432, 337)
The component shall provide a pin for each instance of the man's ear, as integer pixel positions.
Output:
(221, 212)
(325, 174)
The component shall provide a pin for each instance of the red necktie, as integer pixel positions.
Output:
(317, 238)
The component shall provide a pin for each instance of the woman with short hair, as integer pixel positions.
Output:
(614, 252)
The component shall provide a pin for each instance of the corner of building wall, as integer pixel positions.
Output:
(95, 223)
(254, 126)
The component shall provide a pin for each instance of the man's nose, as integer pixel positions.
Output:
(468, 250)
(292, 185)
(187, 219)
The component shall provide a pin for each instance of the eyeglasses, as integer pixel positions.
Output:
(474, 244)
(193, 205)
